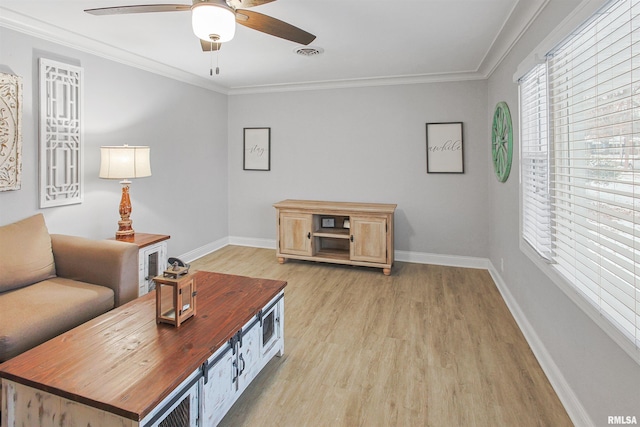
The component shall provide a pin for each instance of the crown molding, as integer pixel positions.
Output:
(519, 20)
(521, 16)
(33, 27)
(355, 83)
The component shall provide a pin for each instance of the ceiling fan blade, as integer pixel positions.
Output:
(146, 8)
(208, 46)
(273, 26)
(237, 4)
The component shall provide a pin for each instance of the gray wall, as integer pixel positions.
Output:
(366, 145)
(185, 126)
(603, 377)
(358, 144)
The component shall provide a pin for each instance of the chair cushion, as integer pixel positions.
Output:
(34, 314)
(25, 253)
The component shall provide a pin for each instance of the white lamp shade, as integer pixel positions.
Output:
(213, 19)
(124, 162)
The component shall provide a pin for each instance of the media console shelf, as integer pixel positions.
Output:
(336, 232)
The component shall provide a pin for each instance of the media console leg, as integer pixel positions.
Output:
(386, 271)
(281, 260)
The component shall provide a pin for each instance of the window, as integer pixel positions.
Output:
(534, 161)
(580, 162)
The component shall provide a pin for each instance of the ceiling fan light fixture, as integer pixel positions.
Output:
(213, 21)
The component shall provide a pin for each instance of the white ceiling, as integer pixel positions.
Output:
(365, 42)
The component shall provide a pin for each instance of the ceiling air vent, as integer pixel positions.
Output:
(309, 51)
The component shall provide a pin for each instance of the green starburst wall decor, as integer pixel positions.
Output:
(502, 141)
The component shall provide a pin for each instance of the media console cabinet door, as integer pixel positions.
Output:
(369, 239)
(295, 233)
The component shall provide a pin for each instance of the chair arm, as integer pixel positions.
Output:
(108, 263)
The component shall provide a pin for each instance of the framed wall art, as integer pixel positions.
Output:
(61, 136)
(444, 148)
(10, 132)
(257, 149)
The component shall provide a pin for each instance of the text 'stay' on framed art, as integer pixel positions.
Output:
(257, 149)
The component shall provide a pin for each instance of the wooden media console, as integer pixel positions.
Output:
(336, 232)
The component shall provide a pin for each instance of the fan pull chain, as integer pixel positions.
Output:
(211, 57)
(217, 58)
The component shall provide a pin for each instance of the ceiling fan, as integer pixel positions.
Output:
(214, 21)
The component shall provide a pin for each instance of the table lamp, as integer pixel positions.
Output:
(124, 162)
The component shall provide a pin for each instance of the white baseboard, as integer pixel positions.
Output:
(570, 401)
(225, 241)
(405, 256)
(254, 243)
(204, 250)
(447, 260)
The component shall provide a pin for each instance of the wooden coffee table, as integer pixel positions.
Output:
(122, 368)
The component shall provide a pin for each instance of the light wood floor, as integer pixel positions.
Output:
(427, 346)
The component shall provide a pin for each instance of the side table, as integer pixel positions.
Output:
(152, 258)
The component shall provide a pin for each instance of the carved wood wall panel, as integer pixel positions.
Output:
(10, 132)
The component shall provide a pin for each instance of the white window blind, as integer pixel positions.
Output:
(534, 159)
(593, 87)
